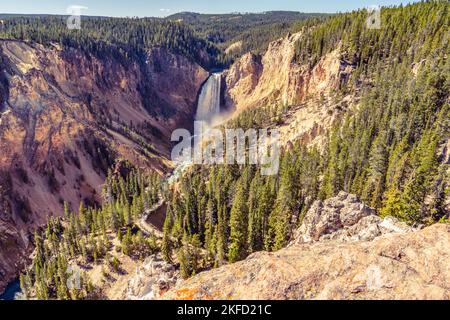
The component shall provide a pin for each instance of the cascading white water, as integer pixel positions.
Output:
(209, 100)
(208, 111)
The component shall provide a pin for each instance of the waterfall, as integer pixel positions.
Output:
(209, 100)
(208, 110)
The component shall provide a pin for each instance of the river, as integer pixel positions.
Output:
(11, 291)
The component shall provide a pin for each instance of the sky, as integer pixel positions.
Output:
(160, 8)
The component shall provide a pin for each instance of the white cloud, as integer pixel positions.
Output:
(164, 10)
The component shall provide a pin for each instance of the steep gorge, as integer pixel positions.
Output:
(67, 116)
(114, 109)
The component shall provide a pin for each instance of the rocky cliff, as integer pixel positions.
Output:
(341, 251)
(66, 116)
(275, 78)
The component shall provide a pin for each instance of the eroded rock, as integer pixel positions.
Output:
(151, 280)
(345, 218)
(341, 251)
(62, 118)
(413, 265)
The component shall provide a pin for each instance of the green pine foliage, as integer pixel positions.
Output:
(254, 31)
(84, 237)
(122, 38)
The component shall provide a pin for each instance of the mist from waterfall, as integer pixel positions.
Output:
(208, 107)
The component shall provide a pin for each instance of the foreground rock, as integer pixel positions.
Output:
(154, 278)
(341, 251)
(414, 265)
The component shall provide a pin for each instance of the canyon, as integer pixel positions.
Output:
(89, 125)
(66, 117)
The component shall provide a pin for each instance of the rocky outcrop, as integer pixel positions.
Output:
(275, 78)
(173, 83)
(345, 218)
(242, 79)
(394, 266)
(66, 116)
(151, 280)
(14, 249)
(234, 47)
(341, 251)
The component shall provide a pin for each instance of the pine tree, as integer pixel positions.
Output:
(254, 215)
(185, 271)
(185, 258)
(195, 256)
(238, 225)
(127, 242)
(66, 210)
(394, 205)
(115, 264)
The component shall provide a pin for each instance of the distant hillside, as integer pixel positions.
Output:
(123, 37)
(255, 30)
(231, 20)
(16, 15)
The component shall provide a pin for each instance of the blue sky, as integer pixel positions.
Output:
(165, 7)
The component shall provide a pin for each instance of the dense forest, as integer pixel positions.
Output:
(122, 37)
(388, 151)
(201, 37)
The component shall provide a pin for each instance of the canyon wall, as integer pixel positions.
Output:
(66, 116)
(275, 78)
